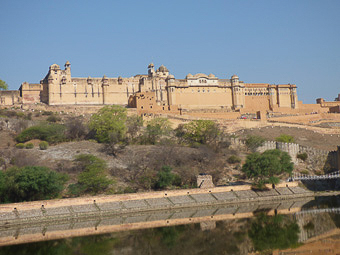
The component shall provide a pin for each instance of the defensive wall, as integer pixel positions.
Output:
(322, 159)
(159, 91)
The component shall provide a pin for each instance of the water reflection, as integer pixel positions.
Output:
(265, 231)
(273, 232)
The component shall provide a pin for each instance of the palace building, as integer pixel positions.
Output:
(156, 91)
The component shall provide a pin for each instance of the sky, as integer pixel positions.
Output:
(277, 42)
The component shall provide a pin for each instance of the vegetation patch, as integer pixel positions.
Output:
(233, 159)
(254, 141)
(52, 133)
(276, 232)
(30, 183)
(285, 139)
(43, 145)
(302, 156)
(29, 146)
(92, 178)
(265, 167)
(20, 145)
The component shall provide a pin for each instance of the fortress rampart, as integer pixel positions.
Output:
(157, 92)
(321, 159)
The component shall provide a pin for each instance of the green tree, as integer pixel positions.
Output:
(92, 178)
(285, 138)
(198, 132)
(265, 167)
(109, 120)
(155, 129)
(3, 85)
(32, 183)
(276, 232)
(253, 142)
(166, 178)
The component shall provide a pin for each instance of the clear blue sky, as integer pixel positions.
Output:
(290, 41)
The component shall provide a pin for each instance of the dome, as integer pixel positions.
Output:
(234, 76)
(199, 75)
(163, 69)
(151, 65)
(171, 76)
(54, 67)
(67, 63)
(211, 76)
(189, 75)
(104, 77)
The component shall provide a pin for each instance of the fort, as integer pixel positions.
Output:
(158, 91)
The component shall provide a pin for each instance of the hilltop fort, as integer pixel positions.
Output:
(159, 91)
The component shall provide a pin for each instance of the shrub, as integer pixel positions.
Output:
(165, 178)
(234, 159)
(75, 128)
(305, 172)
(302, 156)
(29, 146)
(253, 142)
(47, 113)
(52, 133)
(53, 118)
(43, 145)
(285, 138)
(20, 145)
(75, 189)
(92, 179)
(20, 115)
(262, 167)
(32, 183)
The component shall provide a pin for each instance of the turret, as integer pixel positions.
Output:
(68, 69)
(67, 65)
(162, 71)
(235, 80)
(105, 84)
(151, 70)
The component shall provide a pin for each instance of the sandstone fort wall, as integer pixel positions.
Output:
(320, 159)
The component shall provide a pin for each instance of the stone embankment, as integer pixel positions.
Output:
(48, 210)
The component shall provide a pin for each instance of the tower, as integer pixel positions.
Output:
(237, 92)
(105, 84)
(151, 70)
